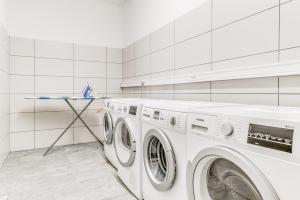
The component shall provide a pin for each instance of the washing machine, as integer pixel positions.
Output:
(243, 152)
(128, 146)
(164, 148)
(112, 110)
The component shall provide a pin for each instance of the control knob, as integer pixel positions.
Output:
(227, 129)
(173, 121)
(125, 109)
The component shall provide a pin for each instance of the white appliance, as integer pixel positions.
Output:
(243, 152)
(164, 148)
(111, 113)
(128, 147)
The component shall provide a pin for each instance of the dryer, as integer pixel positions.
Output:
(244, 152)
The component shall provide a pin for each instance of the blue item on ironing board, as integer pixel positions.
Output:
(44, 97)
(87, 91)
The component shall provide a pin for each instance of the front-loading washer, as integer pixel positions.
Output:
(164, 148)
(113, 108)
(253, 153)
(128, 145)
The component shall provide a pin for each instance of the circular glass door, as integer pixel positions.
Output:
(125, 144)
(108, 128)
(159, 160)
(223, 174)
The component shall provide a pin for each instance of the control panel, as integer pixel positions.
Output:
(165, 119)
(271, 137)
(259, 132)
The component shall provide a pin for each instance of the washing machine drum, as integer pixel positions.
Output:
(125, 143)
(159, 160)
(223, 174)
(108, 128)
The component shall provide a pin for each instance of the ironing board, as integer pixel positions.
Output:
(78, 115)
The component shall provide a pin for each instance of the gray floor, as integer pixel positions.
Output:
(76, 172)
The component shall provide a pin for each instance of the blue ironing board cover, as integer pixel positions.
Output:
(65, 97)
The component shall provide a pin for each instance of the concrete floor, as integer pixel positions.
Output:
(76, 172)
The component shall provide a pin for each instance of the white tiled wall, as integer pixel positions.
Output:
(4, 94)
(54, 68)
(220, 35)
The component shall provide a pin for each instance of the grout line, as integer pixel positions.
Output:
(34, 88)
(279, 37)
(211, 48)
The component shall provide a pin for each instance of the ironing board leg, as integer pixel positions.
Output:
(78, 117)
(66, 129)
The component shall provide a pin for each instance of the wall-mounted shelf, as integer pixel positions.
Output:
(270, 70)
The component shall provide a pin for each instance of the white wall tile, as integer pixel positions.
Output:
(253, 35)
(292, 100)
(53, 120)
(194, 23)
(19, 104)
(163, 89)
(54, 85)
(81, 134)
(289, 30)
(90, 117)
(21, 65)
(4, 105)
(142, 66)
(193, 70)
(128, 69)
(255, 85)
(49, 49)
(89, 53)
(21, 122)
(162, 60)
(128, 53)
(4, 149)
(4, 38)
(256, 99)
(4, 65)
(289, 84)
(161, 96)
(225, 12)
(21, 141)
(4, 82)
(114, 70)
(249, 61)
(113, 86)
(95, 105)
(89, 69)
(45, 138)
(21, 84)
(53, 67)
(290, 54)
(142, 47)
(163, 37)
(114, 55)
(98, 84)
(192, 97)
(192, 52)
(4, 128)
(190, 88)
(21, 46)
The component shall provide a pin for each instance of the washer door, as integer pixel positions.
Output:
(159, 160)
(108, 128)
(220, 173)
(125, 143)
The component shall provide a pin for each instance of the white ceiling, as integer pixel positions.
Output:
(116, 2)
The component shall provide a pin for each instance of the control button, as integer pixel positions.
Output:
(125, 109)
(173, 121)
(227, 129)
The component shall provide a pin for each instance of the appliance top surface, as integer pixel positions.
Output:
(256, 111)
(181, 106)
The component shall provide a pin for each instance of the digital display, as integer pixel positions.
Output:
(156, 115)
(132, 110)
(271, 137)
